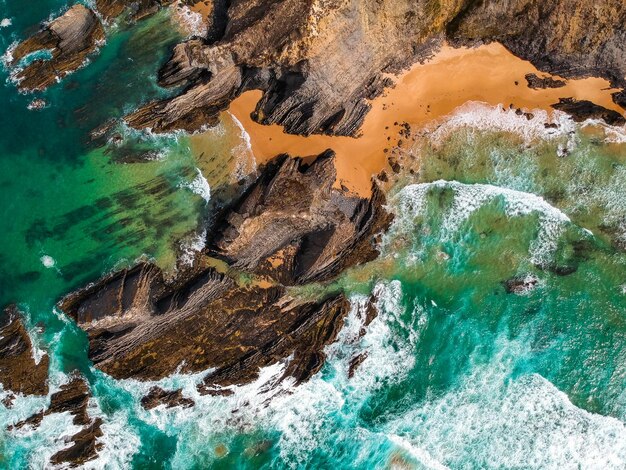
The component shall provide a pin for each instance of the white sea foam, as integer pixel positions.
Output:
(484, 117)
(48, 261)
(422, 456)
(5, 22)
(411, 201)
(515, 423)
(190, 247)
(119, 441)
(246, 163)
(192, 22)
(200, 186)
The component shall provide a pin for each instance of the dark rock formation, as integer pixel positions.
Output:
(295, 227)
(72, 398)
(583, 110)
(143, 326)
(157, 396)
(84, 447)
(70, 38)
(317, 63)
(535, 82)
(18, 370)
(619, 98)
(569, 38)
(521, 284)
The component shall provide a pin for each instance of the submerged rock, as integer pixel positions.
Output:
(521, 284)
(138, 9)
(19, 372)
(69, 39)
(583, 110)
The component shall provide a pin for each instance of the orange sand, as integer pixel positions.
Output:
(422, 94)
(203, 7)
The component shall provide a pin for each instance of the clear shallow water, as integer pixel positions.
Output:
(458, 373)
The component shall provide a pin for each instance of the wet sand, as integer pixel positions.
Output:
(424, 93)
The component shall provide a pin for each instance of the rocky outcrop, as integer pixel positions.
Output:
(568, 38)
(19, 372)
(157, 396)
(583, 110)
(72, 398)
(69, 39)
(143, 326)
(318, 62)
(294, 226)
(536, 82)
(619, 98)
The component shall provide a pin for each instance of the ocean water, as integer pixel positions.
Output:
(458, 373)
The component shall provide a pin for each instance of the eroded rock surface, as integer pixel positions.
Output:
(318, 61)
(157, 396)
(536, 82)
(581, 110)
(69, 39)
(19, 372)
(143, 326)
(72, 398)
(294, 226)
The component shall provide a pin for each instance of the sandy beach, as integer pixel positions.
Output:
(424, 93)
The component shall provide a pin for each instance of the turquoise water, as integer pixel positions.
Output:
(459, 373)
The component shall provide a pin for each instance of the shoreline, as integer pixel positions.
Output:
(422, 94)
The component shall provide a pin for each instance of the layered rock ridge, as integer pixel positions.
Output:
(68, 40)
(19, 371)
(141, 325)
(319, 62)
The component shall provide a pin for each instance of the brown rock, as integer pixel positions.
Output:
(157, 396)
(535, 82)
(583, 110)
(70, 39)
(293, 213)
(18, 370)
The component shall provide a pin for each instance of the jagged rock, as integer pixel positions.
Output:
(295, 227)
(535, 82)
(18, 370)
(355, 362)
(318, 62)
(143, 326)
(157, 396)
(84, 448)
(583, 110)
(70, 38)
(72, 398)
(619, 98)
